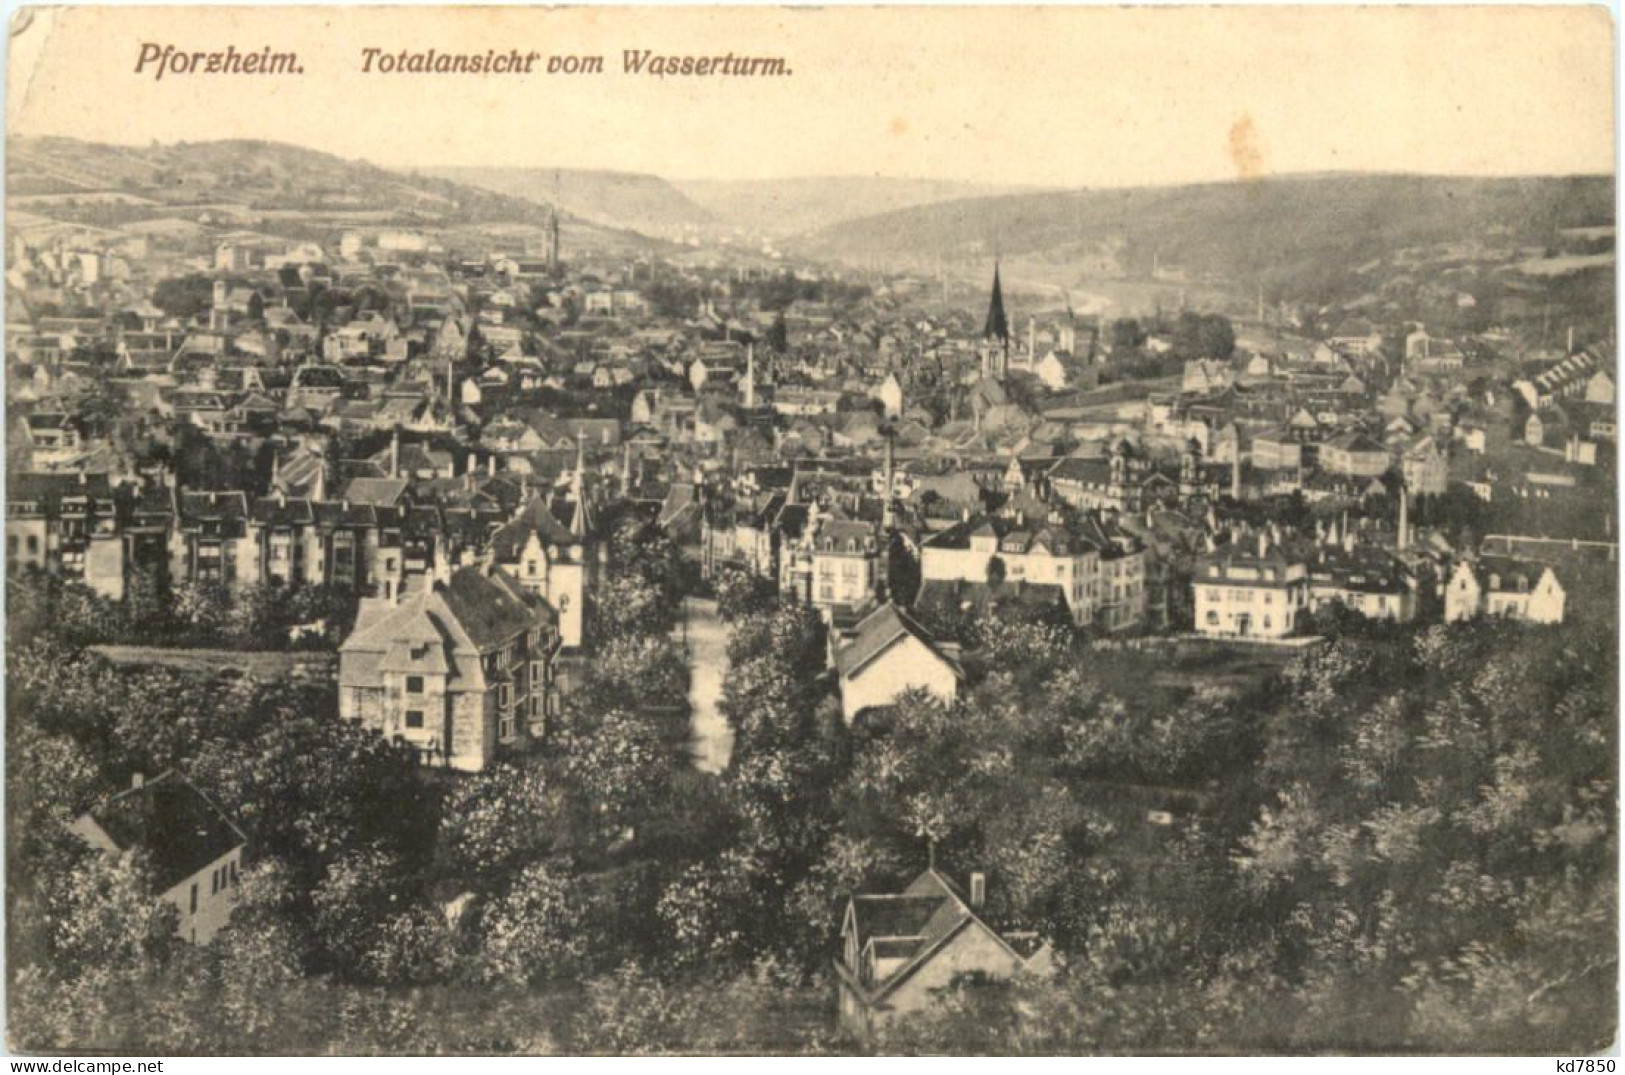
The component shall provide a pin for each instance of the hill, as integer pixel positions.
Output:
(251, 175)
(269, 187)
(643, 203)
(1303, 237)
(781, 207)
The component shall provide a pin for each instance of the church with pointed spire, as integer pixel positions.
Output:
(996, 333)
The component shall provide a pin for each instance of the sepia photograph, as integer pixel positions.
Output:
(788, 531)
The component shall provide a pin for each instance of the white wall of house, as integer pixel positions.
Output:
(205, 899)
(1224, 609)
(908, 665)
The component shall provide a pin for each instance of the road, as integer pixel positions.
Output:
(711, 741)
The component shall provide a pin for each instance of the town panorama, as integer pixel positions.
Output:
(507, 611)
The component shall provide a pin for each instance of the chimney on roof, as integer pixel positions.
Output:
(491, 465)
(138, 781)
(395, 453)
(978, 890)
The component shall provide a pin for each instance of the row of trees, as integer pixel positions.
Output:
(193, 614)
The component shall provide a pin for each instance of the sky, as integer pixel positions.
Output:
(1012, 96)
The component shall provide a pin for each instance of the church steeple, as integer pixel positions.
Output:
(996, 333)
(998, 325)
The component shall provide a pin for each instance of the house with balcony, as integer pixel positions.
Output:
(67, 525)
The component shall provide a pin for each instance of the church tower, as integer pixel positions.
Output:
(996, 333)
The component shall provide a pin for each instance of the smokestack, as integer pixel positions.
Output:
(1403, 539)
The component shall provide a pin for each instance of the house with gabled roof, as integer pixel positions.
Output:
(192, 848)
(458, 669)
(1502, 586)
(900, 950)
(889, 655)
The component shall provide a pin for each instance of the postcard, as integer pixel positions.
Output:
(811, 531)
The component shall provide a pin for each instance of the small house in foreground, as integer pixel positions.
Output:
(899, 950)
(195, 850)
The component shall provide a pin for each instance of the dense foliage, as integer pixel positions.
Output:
(1400, 838)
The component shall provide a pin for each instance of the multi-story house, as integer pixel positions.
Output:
(194, 850)
(459, 668)
(67, 525)
(150, 516)
(1363, 578)
(1122, 480)
(837, 563)
(1355, 454)
(1099, 570)
(1425, 466)
(210, 542)
(554, 560)
(742, 534)
(1250, 589)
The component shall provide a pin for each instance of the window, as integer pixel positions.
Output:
(414, 718)
(414, 684)
(234, 871)
(194, 898)
(33, 543)
(1212, 618)
(214, 882)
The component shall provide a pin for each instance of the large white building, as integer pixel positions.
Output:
(1100, 571)
(1250, 588)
